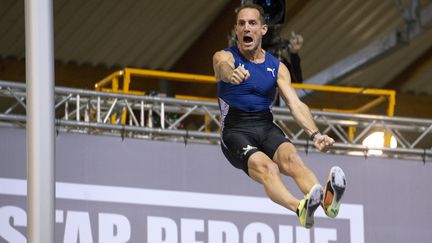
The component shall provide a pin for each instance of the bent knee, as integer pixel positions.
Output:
(270, 168)
(263, 168)
(295, 159)
(291, 162)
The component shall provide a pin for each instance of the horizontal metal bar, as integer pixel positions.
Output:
(420, 128)
(342, 89)
(137, 129)
(108, 79)
(186, 77)
(70, 125)
(280, 113)
(90, 93)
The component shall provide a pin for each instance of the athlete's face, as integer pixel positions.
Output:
(249, 29)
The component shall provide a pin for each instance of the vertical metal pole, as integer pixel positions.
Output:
(78, 117)
(390, 112)
(98, 110)
(162, 116)
(66, 110)
(142, 114)
(40, 121)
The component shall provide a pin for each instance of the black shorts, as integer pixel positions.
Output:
(244, 133)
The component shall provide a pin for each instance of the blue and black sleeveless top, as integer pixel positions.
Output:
(255, 93)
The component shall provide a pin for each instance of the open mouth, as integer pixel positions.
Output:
(247, 39)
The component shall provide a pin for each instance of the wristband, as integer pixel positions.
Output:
(312, 136)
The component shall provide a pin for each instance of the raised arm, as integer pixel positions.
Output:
(223, 66)
(300, 111)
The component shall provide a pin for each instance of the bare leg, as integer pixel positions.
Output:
(290, 164)
(265, 171)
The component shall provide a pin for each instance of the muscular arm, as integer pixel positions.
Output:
(223, 65)
(299, 110)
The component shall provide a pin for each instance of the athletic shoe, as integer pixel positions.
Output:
(334, 191)
(308, 205)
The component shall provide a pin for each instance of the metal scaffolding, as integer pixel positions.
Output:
(181, 120)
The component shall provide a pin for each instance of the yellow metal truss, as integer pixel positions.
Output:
(112, 83)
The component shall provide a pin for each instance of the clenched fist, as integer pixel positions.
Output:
(323, 142)
(239, 75)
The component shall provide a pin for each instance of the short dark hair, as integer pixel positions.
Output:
(254, 6)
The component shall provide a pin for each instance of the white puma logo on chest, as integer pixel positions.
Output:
(272, 71)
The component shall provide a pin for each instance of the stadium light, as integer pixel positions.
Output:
(375, 141)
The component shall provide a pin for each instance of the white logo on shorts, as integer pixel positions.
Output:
(247, 149)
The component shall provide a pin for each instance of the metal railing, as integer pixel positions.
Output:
(112, 84)
(181, 120)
